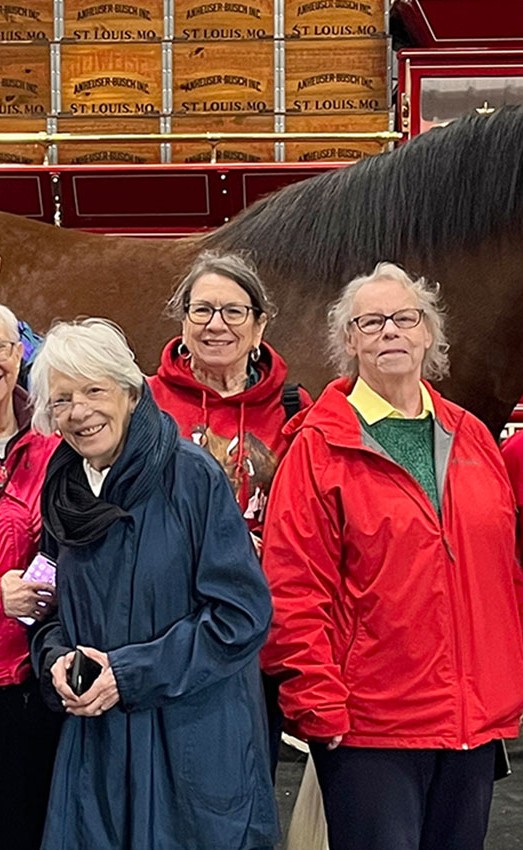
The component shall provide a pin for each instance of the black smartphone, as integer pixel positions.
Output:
(82, 673)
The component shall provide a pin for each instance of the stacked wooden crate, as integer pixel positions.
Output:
(158, 66)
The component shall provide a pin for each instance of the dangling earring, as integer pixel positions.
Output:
(183, 351)
(255, 354)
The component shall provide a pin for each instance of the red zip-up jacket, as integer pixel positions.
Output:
(394, 627)
(512, 453)
(242, 431)
(22, 475)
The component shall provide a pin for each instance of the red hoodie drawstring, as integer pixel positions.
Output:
(205, 412)
(240, 471)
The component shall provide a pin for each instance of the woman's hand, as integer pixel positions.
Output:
(59, 676)
(334, 742)
(101, 696)
(26, 598)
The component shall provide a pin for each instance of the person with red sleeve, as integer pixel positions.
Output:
(390, 552)
(512, 452)
(28, 730)
(226, 389)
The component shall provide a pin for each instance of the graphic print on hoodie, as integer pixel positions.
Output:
(243, 431)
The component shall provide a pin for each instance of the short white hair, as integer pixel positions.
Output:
(436, 360)
(10, 323)
(93, 348)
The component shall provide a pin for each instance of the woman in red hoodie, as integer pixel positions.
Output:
(226, 389)
(221, 382)
(28, 731)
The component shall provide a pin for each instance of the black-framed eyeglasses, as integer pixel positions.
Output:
(201, 313)
(371, 323)
(6, 349)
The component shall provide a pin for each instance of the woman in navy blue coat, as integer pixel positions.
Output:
(157, 582)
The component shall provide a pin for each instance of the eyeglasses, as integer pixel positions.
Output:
(201, 313)
(6, 349)
(371, 323)
(88, 398)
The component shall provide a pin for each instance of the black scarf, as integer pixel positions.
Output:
(72, 514)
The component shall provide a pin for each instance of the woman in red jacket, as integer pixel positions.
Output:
(29, 731)
(389, 547)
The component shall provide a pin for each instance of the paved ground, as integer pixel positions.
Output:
(506, 821)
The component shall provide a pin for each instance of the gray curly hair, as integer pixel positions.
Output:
(436, 361)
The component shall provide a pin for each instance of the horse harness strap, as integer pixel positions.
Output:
(290, 398)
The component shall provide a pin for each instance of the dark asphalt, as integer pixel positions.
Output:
(506, 821)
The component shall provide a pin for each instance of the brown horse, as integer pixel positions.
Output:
(448, 204)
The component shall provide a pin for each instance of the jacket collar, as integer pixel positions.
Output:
(23, 412)
(336, 419)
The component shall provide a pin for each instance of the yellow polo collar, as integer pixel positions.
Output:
(372, 407)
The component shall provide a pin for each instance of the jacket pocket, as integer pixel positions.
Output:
(218, 757)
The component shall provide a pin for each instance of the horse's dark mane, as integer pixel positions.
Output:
(440, 190)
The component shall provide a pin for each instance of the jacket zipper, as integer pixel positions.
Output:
(463, 731)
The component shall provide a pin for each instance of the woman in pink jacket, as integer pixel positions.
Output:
(28, 731)
(389, 546)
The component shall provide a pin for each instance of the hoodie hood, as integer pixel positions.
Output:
(242, 431)
(176, 375)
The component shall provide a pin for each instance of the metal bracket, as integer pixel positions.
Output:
(57, 199)
(405, 113)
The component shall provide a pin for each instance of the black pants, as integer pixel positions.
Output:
(28, 738)
(387, 799)
(274, 720)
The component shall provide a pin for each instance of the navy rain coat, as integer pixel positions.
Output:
(176, 596)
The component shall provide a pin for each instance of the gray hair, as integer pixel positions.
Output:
(10, 323)
(238, 268)
(436, 361)
(94, 348)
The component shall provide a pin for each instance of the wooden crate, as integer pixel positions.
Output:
(197, 21)
(326, 78)
(213, 78)
(109, 153)
(334, 151)
(227, 151)
(111, 80)
(22, 154)
(90, 21)
(25, 88)
(334, 18)
(29, 20)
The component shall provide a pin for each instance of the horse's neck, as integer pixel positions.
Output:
(483, 295)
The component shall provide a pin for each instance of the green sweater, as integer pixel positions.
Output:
(410, 442)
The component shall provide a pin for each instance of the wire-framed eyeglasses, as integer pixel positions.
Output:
(371, 323)
(90, 397)
(201, 313)
(6, 349)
